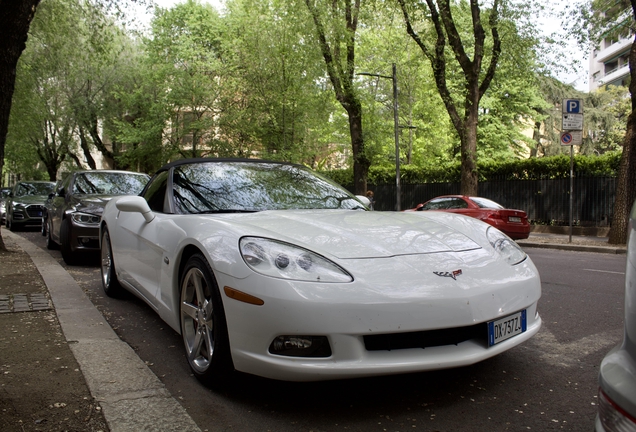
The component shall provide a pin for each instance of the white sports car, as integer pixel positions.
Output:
(271, 269)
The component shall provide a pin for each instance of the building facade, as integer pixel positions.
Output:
(609, 62)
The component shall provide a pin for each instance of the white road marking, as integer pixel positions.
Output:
(605, 271)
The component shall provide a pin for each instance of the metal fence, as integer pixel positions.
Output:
(545, 201)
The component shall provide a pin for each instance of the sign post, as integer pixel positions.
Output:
(571, 135)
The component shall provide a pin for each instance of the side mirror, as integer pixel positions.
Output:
(135, 204)
(364, 200)
(61, 193)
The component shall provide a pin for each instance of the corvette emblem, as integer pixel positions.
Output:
(452, 274)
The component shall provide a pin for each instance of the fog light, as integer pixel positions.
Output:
(614, 418)
(301, 346)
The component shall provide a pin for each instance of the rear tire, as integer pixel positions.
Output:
(110, 283)
(203, 324)
(68, 255)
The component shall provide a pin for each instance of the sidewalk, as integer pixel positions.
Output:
(49, 332)
(62, 367)
(578, 243)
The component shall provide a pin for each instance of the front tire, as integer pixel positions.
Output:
(203, 323)
(110, 283)
(50, 243)
(68, 255)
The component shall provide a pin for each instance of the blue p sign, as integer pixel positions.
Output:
(572, 106)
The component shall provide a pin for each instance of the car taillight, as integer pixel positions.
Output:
(612, 417)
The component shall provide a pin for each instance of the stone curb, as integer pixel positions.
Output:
(574, 247)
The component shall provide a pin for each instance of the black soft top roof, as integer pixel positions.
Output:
(179, 162)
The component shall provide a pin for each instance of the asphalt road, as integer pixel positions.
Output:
(548, 383)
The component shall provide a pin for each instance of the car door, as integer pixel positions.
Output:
(141, 245)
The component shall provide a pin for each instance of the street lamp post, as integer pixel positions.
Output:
(396, 130)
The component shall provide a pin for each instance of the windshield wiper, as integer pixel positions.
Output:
(225, 211)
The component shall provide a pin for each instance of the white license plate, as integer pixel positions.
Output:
(507, 327)
(514, 219)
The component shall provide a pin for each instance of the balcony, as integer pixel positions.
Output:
(614, 75)
(613, 50)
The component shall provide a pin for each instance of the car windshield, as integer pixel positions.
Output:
(109, 183)
(213, 187)
(34, 189)
(486, 203)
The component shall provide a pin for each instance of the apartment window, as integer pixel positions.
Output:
(611, 67)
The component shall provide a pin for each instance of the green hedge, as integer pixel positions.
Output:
(553, 167)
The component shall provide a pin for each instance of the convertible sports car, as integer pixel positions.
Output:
(270, 269)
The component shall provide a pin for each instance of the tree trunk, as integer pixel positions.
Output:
(626, 184)
(15, 19)
(341, 73)
(469, 175)
(360, 163)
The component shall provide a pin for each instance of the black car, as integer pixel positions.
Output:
(4, 196)
(73, 211)
(25, 204)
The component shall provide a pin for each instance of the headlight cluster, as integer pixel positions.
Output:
(85, 218)
(509, 250)
(286, 261)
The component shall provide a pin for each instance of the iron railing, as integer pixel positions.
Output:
(545, 201)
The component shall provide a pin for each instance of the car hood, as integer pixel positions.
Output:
(30, 199)
(93, 204)
(362, 234)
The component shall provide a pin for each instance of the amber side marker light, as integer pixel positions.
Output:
(241, 296)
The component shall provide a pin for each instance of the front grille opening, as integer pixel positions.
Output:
(34, 210)
(426, 339)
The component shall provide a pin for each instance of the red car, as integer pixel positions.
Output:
(514, 223)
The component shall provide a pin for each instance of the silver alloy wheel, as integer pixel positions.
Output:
(197, 323)
(107, 260)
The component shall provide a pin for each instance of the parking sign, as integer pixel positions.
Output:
(572, 106)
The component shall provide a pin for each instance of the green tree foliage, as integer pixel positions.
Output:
(550, 167)
(183, 52)
(277, 98)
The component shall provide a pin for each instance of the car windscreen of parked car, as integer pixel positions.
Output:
(25, 189)
(486, 203)
(250, 187)
(108, 183)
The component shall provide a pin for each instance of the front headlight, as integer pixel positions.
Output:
(286, 261)
(18, 206)
(85, 218)
(509, 250)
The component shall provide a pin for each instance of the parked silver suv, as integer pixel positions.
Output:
(617, 377)
(26, 204)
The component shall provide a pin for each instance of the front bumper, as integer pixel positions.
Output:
(382, 301)
(83, 237)
(30, 215)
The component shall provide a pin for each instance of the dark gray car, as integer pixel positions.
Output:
(25, 204)
(73, 211)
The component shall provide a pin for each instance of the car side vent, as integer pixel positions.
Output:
(426, 339)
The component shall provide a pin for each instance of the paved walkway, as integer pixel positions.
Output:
(132, 398)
